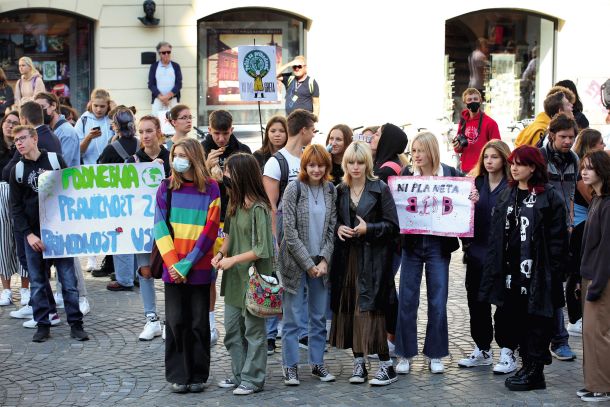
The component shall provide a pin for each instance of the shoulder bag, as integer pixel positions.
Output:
(264, 294)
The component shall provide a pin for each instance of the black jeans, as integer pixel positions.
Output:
(481, 328)
(187, 333)
(516, 327)
(573, 302)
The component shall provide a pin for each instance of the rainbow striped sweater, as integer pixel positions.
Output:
(195, 218)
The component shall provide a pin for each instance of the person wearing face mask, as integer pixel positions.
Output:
(63, 130)
(187, 216)
(474, 130)
(115, 153)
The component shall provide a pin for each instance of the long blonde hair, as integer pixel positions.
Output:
(28, 61)
(358, 151)
(502, 149)
(429, 144)
(196, 156)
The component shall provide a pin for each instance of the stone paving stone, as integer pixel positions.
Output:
(115, 369)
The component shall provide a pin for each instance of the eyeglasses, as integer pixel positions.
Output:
(20, 139)
(185, 118)
(295, 67)
(11, 123)
(165, 52)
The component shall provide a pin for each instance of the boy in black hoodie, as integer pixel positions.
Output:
(24, 210)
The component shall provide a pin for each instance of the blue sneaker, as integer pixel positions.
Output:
(563, 352)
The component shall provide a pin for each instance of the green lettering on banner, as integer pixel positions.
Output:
(101, 176)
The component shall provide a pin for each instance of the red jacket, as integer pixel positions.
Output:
(476, 141)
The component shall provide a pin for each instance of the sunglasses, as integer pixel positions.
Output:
(295, 67)
(165, 52)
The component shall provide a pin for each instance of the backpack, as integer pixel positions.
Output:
(311, 83)
(540, 142)
(59, 123)
(284, 173)
(605, 94)
(394, 166)
(83, 120)
(52, 160)
(120, 150)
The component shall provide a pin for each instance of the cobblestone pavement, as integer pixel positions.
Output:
(115, 369)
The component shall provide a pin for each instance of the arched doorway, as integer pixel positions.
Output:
(507, 54)
(60, 45)
(218, 36)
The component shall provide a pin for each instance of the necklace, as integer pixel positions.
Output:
(315, 196)
(356, 195)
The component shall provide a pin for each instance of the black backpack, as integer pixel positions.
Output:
(605, 94)
(284, 174)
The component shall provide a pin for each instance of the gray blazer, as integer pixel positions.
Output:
(294, 258)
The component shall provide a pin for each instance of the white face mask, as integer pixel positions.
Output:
(181, 164)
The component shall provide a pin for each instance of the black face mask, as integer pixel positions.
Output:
(47, 118)
(473, 106)
(227, 182)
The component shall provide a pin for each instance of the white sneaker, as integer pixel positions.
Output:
(403, 366)
(436, 366)
(25, 296)
(6, 297)
(575, 329)
(507, 362)
(23, 313)
(151, 329)
(83, 305)
(54, 318)
(59, 300)
(477, 358)
(213, 336)
(91, 264)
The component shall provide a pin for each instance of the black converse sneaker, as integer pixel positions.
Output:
(384, 376)
(321, 373)
(291, 376)
(359, 374)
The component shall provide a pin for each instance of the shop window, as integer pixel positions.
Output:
(219, 36)
(60, 46)
(507, 54)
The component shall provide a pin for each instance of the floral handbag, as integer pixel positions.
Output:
(264, 294)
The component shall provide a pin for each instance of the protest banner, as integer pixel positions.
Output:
(257, 79)
(434, 205)
(98, 209)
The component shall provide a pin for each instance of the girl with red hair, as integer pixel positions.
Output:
(523, 267)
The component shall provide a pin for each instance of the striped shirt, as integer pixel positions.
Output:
(195, 218)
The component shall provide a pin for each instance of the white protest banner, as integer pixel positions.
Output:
(98, 209)
(257, 81)
(434, 205)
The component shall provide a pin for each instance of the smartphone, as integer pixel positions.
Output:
(329, 148)
(96, 128)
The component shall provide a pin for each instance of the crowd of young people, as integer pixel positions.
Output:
(324, 221)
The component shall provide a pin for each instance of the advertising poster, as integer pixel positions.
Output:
(257, 78)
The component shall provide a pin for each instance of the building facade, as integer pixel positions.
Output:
(375, 62)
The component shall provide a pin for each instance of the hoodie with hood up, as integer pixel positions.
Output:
(392, 142)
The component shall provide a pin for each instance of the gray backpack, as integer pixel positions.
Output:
(19, 166)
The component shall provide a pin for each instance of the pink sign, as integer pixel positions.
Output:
(434, 205)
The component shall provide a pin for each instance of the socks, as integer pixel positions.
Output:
(212, 321)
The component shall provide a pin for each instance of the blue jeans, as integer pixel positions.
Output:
(124, 269)
(317, 297)
(147, 286)
(39, 281)
(560, 333)
(426, 251)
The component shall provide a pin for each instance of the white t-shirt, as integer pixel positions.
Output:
(272, 167)
(166, 77)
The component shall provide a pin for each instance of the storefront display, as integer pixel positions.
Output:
(60, 46)
(219, 37)
(515, 75)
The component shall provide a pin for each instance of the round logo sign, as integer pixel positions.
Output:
(152, 177)
(257, 62)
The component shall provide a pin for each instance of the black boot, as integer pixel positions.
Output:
(531, 379)
(520, 372)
